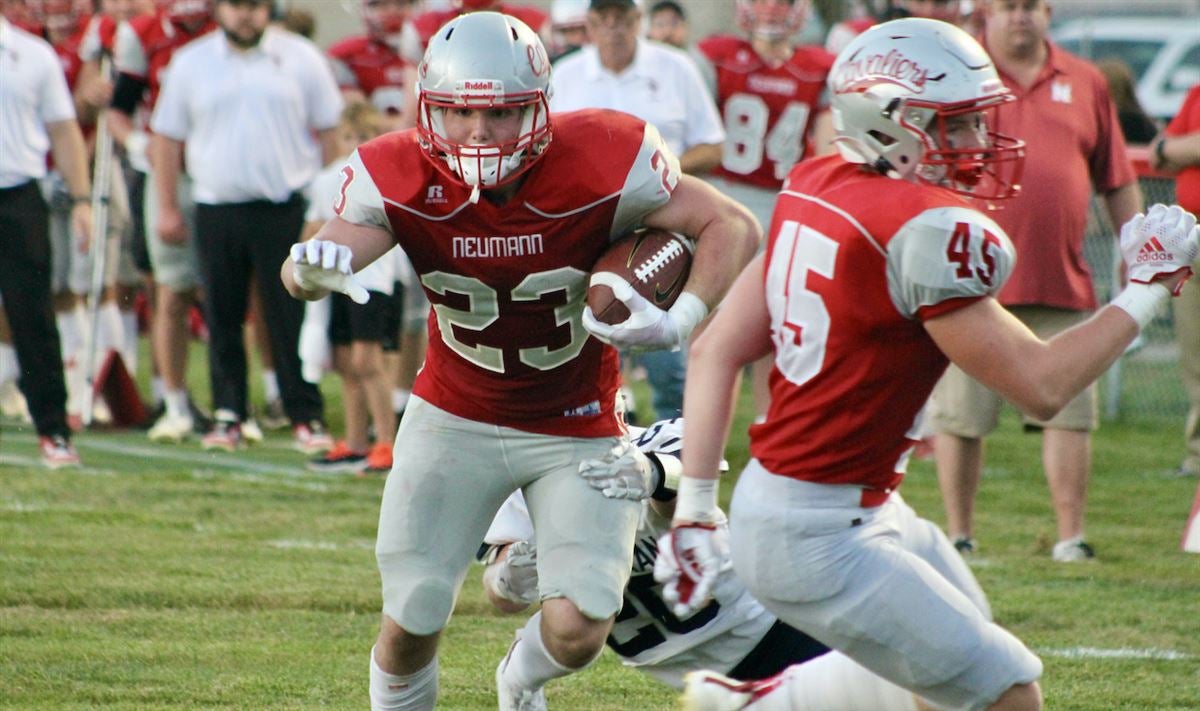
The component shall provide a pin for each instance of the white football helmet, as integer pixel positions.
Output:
(895, 86)
(484, 60)
(771, 19)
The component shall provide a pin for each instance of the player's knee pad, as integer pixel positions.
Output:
(421, 604)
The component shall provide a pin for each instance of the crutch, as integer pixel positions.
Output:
(101, 187)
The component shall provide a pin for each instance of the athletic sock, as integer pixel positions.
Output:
(270, 385)
(831, 681)
(176, 402)
(528, 664)
(403, 692)
(129, 341)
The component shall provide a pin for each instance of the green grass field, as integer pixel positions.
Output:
(168, 578)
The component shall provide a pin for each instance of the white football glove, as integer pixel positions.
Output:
(624, 473)
(1160, 243)
(323, 265)
(690, 557)
(515, 578)
(648, 327)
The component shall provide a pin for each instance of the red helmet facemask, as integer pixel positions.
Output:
(989, 170)
(56, 17)
(474, 5)
(384, 19)
(187, 13)
(771, 20)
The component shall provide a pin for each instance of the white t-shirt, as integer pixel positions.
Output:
(248, 117)
(662, 87)
(33, 94)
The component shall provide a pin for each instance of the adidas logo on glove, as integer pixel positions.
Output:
(1153, 251)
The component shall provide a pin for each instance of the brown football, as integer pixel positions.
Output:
(655, 262)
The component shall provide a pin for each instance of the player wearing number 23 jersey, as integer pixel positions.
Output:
(507, 282)
(503, 210)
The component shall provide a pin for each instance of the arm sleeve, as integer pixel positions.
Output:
(323, 98)
(1110, 165)
(649, 183)
(359, 200)
(704, 123)
(170, 116)
(946, 258)
(55, 103)
(128, 54)
(342, 74)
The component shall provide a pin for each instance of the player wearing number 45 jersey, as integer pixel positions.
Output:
(503, 212)
(876, 274)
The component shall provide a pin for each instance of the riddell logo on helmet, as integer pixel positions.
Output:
(488, 85)
(893, 67)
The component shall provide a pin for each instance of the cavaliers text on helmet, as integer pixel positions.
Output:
(894, 89)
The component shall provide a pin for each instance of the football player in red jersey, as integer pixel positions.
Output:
(771, 94)
(502, 212)
(878, 272)
(374, 66)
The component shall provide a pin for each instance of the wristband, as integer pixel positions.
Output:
(1160, 152)
(688, 311)
(1142, 301)
(696, 501)
(669, 470)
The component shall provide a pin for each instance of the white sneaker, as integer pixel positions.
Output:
(1073, 550)
(710, 691)
(171, 428)
(251, 432)
(512, 699)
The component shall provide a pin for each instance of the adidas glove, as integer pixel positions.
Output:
(1159, 243)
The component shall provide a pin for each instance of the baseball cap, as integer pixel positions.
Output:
(601, 4)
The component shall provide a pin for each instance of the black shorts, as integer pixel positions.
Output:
(391, 340)
(781, 647)
(349, 321)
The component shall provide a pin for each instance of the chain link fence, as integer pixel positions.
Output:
(1144, 384)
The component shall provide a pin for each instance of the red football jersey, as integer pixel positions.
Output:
(68, 57)
(849, 280)
(507, 282)
(373, 68)
(766, 110)
(431, 21)
(145, 45)
(99, 38)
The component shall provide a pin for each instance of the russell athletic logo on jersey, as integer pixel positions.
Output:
(1153, 251)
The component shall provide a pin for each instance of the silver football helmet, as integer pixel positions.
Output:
(484, 60)
(894, 89)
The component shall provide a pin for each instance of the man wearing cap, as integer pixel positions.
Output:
(660, 85)
(258, 108)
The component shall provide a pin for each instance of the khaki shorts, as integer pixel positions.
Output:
(450, 477)
(963, 407)
(881, 585)
(176, 266)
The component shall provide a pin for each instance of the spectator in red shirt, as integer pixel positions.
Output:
(1178, 150)
(1074, 146)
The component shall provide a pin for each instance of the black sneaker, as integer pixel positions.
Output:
(965, 545)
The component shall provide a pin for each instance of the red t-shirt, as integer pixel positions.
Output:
(508, 282)
(849, 280)
(767, 110)
(1187, 183)
(1073, 146)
